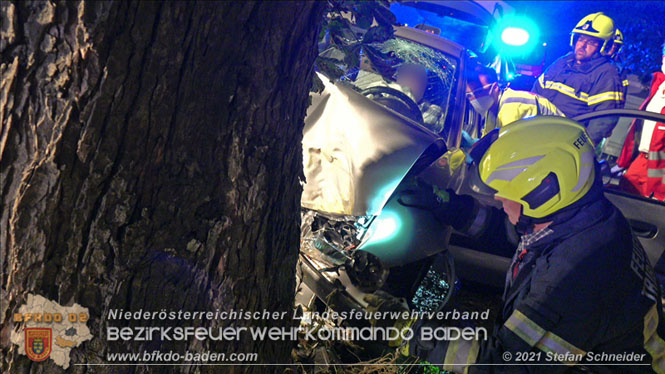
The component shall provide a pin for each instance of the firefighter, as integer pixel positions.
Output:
(614, 55)
(580, 288)
(617, 45)
(584, 80)
(501, 106)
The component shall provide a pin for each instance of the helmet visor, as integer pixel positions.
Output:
(477, 152)
(481, 146)
(476, 183)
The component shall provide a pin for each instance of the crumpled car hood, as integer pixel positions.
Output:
(356, 152)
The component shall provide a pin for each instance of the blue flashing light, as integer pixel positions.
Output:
(514, 36)
(518, 36)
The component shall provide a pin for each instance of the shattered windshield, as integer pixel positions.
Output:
(408, 77)
(469, 30)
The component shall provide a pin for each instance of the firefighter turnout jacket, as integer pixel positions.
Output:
(582, 88)
(516, 105)
(580, 293)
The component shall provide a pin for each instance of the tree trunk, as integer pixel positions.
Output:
(151, 159)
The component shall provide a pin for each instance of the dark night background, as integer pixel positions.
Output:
(642, 23)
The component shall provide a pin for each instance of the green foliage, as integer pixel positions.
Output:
(431, 369)
(642, 25)
(642, 54)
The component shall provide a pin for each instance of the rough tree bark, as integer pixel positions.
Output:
(150, 159)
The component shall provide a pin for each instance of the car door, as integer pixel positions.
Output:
(647, 219)
(646, 216)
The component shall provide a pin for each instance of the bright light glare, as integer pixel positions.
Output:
(385, 227)
(515, 36)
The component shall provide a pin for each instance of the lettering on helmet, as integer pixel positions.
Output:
(581, 141)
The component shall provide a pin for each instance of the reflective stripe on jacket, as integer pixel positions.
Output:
(656, 162)
(581, 88)
(586, 289)
(656, 157)
(516, 105)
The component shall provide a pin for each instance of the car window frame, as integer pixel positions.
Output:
(454, 119)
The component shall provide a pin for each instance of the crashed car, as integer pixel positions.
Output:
(367, 137)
